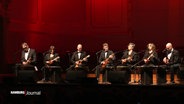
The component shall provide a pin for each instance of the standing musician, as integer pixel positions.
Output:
(171, 59)
(106, 59)
(150, 60)
(51, 59)
(28, 57)
(79, 58)
(130, 57)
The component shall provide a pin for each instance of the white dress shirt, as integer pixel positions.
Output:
(27, 54)
(79, 55)
(105, 54)
(169, 55)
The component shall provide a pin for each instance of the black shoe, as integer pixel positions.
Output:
(134, 81)
(172, 82)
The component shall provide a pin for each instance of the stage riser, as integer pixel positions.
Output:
(12, 79)
(136, 77)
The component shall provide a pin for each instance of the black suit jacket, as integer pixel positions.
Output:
(153, 60)
(134, 55)
(48, 58)
(102, 56)
(31, 55)
(175, 59)
(75, 58)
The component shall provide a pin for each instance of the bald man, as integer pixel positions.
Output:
(171, 59)
(79, 55)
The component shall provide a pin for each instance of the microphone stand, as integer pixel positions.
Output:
(133, 67)
(118, 61)
(16, 65)
(97, 56)
(17, 52)
(69, 57)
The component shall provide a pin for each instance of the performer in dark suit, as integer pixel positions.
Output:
(130, 57)
(106, 59)
(51, 59)
(27, 65)
(150, 59)
(79, 58)
(172, 60)
(28, 58)
(77, 72)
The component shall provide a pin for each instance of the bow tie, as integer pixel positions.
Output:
(25, 51)
(168, 51)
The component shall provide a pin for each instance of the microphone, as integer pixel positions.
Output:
(45, 52)
(98, 52)
(17, 51)
(164, 50)
(119, 52)
(141, 52)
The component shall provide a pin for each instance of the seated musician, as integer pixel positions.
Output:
(28, 63)
(106, 59)
(51, 59)
(171, 59)
(79, 59)
(130, 57)
(150, 60)
(28, 57)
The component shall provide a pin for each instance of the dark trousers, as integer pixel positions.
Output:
(52, 74)
(172, 69)
(100, 70)
(48, 74)
(161, 75)
(147, 76)
(104, 72)
(97, 71)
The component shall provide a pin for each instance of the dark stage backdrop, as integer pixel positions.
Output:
(65, 23)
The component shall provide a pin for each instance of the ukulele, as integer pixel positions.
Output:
(51, 61)
(106, 61)
(79, 62)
